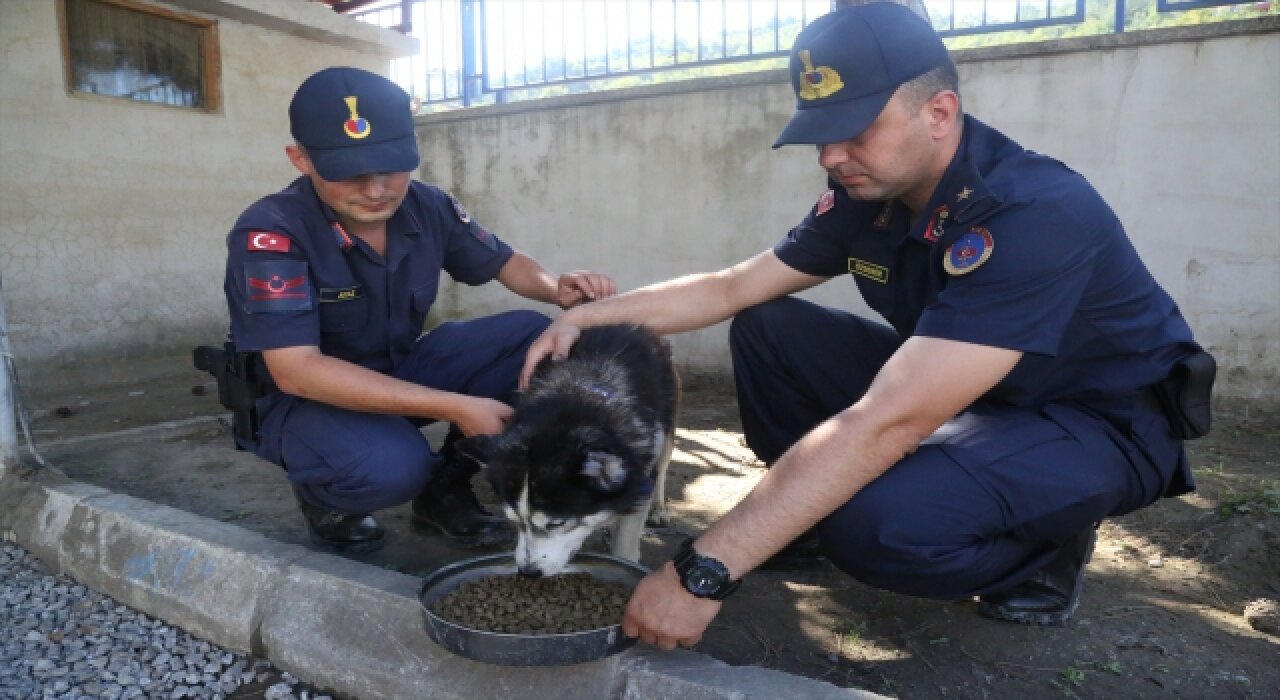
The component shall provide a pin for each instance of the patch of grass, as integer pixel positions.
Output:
(1110, 667)
(1072, 675)
(1264, 497)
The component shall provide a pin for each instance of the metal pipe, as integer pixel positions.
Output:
(8, 414)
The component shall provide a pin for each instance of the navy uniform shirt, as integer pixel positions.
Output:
(1014, 250)
(295, 277)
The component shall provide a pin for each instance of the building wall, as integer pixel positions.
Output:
(112, 213)
(1179, 130)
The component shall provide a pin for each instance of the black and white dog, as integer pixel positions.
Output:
(589, 444)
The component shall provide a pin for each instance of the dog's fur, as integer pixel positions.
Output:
(589, 444)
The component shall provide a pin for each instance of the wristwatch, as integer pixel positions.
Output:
(703, 576)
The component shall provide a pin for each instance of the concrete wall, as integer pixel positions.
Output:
(112, 213)
(1179, 130)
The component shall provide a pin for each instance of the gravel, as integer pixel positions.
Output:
(59, 639)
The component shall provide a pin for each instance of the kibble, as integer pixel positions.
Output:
(512, 604)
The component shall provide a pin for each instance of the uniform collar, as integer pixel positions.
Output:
(962, 196)
(402, 222)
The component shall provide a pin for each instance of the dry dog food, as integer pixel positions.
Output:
(559, 604)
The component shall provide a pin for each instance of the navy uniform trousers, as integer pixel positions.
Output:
(361, 462)
(983, 503)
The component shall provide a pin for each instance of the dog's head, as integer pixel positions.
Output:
(558, 481)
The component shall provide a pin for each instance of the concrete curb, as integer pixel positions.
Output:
(349, 627)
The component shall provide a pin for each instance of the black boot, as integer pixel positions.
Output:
(343, 533)
(448, 505)
(1051, 596)
(804, 552)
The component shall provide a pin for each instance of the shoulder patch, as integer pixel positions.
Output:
(267, 240)
(825, 202)
(276, 285)
(968, 252)
(483, 235)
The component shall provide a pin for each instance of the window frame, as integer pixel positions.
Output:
(210, 55)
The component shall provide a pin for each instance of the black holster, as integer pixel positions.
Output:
(242, 380)
(1185, 396)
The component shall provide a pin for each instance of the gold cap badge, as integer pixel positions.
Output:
(816, 83)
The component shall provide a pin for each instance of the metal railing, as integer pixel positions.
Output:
(485, 51)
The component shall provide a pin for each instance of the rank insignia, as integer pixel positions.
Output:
(825, 202)
(968, 252)
(265, 240)
(463, 216)
(933, 231)
(277, 285)
(357, 127)
(816, 83)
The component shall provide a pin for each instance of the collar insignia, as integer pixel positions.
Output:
(963, 194)
(357, 127)
(885, 216)
(933, 231)
(816, 83)
(825, 202)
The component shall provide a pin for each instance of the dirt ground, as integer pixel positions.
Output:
(1161, 615)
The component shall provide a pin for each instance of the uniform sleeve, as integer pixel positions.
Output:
(819, 245)
(1024, 294)
(270, 293)
(473, 254)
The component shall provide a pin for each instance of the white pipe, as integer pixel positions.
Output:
(8, 416)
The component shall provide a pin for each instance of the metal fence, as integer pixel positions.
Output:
(485, 51)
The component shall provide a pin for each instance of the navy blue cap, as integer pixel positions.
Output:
(352, 122)
(846, 65)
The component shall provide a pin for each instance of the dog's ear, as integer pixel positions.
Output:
(604, 471)
(477, 448)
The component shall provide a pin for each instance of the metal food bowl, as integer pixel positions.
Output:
(525, 649)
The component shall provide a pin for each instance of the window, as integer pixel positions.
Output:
(126, 49)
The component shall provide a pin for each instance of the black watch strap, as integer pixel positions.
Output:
(703, 576)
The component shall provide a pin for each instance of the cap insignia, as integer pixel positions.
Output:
(357, 127)
(817, 83)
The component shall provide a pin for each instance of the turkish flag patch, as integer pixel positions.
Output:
(265, 240)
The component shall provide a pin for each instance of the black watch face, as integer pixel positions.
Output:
(703, 580)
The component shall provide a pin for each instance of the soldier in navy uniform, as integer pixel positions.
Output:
(970, 445)
(330, 281)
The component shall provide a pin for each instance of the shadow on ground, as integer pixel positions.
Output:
(1161, 615)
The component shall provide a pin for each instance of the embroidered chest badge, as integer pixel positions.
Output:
(968, 252)
(825, 202)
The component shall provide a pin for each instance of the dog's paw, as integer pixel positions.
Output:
(658, 518)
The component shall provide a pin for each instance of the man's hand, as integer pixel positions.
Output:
(664, 614)
(554, 343)
(480, 416)
(578, 286)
